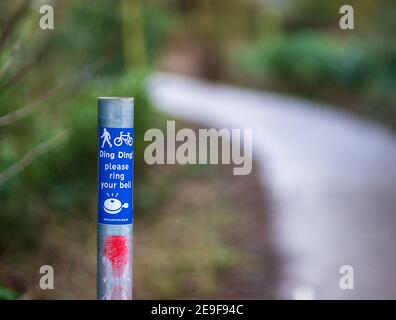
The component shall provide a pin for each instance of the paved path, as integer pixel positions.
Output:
(332, 179)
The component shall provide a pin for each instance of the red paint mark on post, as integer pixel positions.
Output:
(116, 251)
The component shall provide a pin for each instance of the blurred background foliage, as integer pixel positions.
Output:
(57, 91)
(311, 56)
(49, 82)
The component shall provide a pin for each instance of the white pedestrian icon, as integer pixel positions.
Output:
(106, 138)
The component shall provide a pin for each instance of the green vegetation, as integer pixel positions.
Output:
(310, 61)
(49, 85)
(312, 57)
(7, 294)
(321, 66)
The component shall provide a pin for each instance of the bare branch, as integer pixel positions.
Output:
(22, 71)
(6, 65)
(28, 109)
(9, 27)
(32, 154)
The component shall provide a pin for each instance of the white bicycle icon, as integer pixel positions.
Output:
(123, 138)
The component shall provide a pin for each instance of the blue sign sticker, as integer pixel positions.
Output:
(115, 152)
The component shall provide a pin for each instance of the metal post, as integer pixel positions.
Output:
(115, 198)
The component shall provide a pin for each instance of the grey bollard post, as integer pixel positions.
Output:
(115, 197)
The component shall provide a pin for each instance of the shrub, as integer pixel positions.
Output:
(309, 61)
(325, 67)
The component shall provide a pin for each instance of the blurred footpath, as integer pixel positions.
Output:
(331, 178)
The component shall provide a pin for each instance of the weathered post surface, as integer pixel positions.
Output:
(115, 197)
